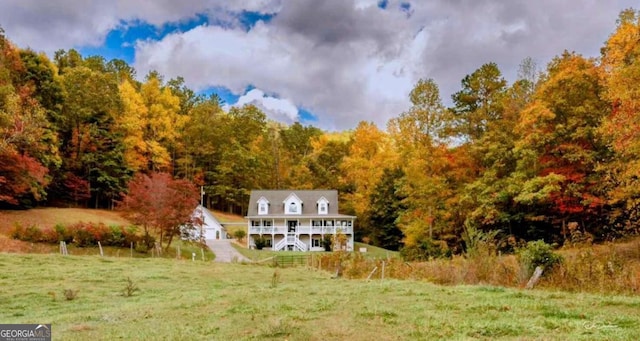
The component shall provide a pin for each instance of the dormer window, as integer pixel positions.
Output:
(323, 206)
(292, 204)
(263, 206)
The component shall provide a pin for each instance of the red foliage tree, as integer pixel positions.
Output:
(20, 175)
(160, 203)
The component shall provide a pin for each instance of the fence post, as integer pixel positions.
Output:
(371, 274)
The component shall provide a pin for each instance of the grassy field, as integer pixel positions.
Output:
(204, 300)
(258, 255)
(48, 217)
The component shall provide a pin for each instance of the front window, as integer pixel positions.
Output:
(293, 208)
(328, 223)
(266, 223)
(255, 223)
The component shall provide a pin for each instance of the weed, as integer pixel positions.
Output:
(130, 288)
(275, 279)
(70, 294)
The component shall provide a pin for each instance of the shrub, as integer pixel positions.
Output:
(64, 234)
(117, 236)
(49, 235)
(538, 253)
(239, 234)
(260, 242)
(82, 237)
(425, 250)
(130, 236)
(327, 242)
(145, 243)
(31, 233)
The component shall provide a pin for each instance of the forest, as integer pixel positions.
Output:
(555, 155)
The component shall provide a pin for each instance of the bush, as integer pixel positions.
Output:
(425, 250)
(145, 243)
(538, 253)
(239, 234)
(64, 234)
(49, 235)
(260, 242)
(327, 242)
(31, 233)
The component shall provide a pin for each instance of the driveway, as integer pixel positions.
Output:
(225, 253)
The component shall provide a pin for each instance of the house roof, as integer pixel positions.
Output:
(209, 219)
(309, 199)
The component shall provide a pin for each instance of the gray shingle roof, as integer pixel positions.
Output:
(309, 200)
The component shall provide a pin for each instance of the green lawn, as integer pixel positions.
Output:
(257, 255)
(204, 300)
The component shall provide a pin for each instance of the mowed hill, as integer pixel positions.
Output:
(48, 217)
(51, 216)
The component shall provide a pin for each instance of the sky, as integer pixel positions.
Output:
(328, 63)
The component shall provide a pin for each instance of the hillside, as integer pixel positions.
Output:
(44, 217)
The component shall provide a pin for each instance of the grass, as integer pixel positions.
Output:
(374, 251)
(224, 217)
(44, 217)
(48, 217)
(205, 300)
(258, 255)
(52, 216)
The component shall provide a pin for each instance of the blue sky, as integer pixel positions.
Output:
(328, 63)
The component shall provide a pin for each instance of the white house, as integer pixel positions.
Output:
(210, 227)
(297, 220)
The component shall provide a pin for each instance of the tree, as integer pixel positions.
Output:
(433, 171)
(27, 145)
(370, 152)
(560, 147)
(620, 73)
(384, 209)
(162, 122)
(479, 103)
(159, 203)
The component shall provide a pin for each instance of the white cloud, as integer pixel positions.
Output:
(275, 108)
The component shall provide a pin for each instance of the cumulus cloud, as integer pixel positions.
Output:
(278, 109)
(345, 61)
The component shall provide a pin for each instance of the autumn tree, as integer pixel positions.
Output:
(370, 152)
(560, 148)
(160, 204)
(490, 195)
(620, 74)
(431, 177)
(27, 145)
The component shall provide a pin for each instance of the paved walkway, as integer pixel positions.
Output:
(225, 253)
